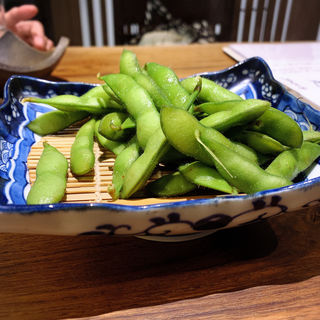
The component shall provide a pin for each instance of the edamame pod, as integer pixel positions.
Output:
(95, 101)
(121, 165)
(51, 177)
(290, 163)
(279, 126)
(237, 170)
(171, 185)
(110, 126)
(82, 157)
(114, 146)
(105, 96)
(311, 136)
(157, 95)
(140, 170)
(242, 113)
(189, 104)
(210, 90)
(213, 107)
(205, 176)
(129, 63)
(168, 81)
(54, 121)
(179, 127)
(260, 142)
(138, 103)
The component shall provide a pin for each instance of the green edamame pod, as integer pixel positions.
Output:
(156, 93)
(95, 101)
(237, 170)
(129, 63)
(114, 146)
(247, 152)
(290, 163)
(121, 165)
(115, 102)
(170, 185)
(106, 97)
(168, 81)
(82, 157)
(138, 104)
(54, 121)
(140, 170)
(210, 90)
(260, 142)
(179, 126)
(189, 104)
(110, 126)
(205, 176)
(279, 126)
(244, 112)
(51, 177)
(213, 107)
(311, 136)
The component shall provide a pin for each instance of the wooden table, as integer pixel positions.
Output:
(267, 270)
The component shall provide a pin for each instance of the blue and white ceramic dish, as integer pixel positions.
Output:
(164, 221)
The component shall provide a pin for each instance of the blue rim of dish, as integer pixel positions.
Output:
(29, 209)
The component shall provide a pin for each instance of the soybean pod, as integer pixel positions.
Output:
(95, 101)
(138, 104)
(141, 169)
(51, 177)
(290, 163)
(111, 126)
(279, 126)
(171, 185)
(179, 126)
(129, 65)
(242, 113)
(213, 107)
(168, 81)
(311, 136)
(210, 90)
(260, 142)
(157, 94)
(237, 170)
(205, 176)
(82, 157)
(121, 165)
(114, 146)
(54, 121)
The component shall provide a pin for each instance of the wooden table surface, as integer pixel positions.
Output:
(267, 270)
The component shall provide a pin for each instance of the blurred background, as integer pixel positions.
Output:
(145, 22)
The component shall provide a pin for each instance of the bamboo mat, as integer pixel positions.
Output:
(92, 187)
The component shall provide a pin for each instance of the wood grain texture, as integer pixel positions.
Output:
(266, 270)
(83, 64)
(265, 303)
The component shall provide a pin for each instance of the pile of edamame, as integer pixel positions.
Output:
(208, 136)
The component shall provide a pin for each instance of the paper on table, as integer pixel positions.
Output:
(296, 65)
